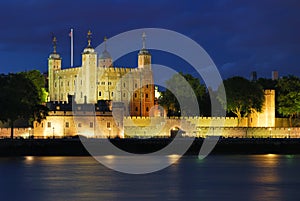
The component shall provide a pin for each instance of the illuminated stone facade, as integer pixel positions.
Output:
(97, 79)
(265, 118)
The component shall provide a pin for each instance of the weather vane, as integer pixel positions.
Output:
(105, 39)
(89, 36)
(54, 41)
(144, 40)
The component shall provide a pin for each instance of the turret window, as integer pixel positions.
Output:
(147, 109)
(100, 93)
(146, 95)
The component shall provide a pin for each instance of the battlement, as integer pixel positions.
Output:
(269, 92)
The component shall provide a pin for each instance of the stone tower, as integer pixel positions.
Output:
(105, 60)
(265, 118)
(143, 96)
(87, 85)
(54, 64)
(144, 57)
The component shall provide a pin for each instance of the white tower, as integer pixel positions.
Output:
(87, 81)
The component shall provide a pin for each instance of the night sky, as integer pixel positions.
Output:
(240, 36)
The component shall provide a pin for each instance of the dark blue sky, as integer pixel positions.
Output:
(240, 36)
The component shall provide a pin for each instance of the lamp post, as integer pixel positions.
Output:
(29, 132)
(53, 133)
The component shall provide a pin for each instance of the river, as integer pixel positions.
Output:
(217, 177)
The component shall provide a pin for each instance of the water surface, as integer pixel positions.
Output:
(220, 177)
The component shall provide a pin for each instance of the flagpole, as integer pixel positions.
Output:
(71, 35)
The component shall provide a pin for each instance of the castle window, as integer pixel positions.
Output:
(102, 83)
(147, 86)
(100, 93)
(81, 82)
(68, 83)
(62, 84)
(54, 84)
(67, 124)
(80, 94)
(109, 83)
(55, 97)
(42, 125)
(112, 93)
(108, 124)
(74, 82)
(135, 85)
(91, 125)
(124, 85)
(147, 109)
(49, 124)
(135, 95)
(79, 125)
(136, 109)
(124, 95)
(146, 95)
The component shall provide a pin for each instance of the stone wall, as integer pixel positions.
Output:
(18, 132)
(145, 127)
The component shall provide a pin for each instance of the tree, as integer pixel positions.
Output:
(288, 96)
(19, 98)
(243, 96)
(267, 83)
(39, 81)
(178, 85)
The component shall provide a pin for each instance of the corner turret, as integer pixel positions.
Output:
(54, 64)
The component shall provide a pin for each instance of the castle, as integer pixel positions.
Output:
(131, 92)
(98, 80)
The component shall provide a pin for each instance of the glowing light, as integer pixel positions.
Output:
(272, 155)
(29, 158)
(110, 157)
(173, 158)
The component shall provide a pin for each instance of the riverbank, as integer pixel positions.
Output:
(74, 147)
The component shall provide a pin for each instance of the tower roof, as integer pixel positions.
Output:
(144, 51)
(89, 48)
(105, 54)
(54, 54)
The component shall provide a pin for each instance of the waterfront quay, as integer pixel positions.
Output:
(74, 146)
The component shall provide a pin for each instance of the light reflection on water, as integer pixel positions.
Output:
(228, 177)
